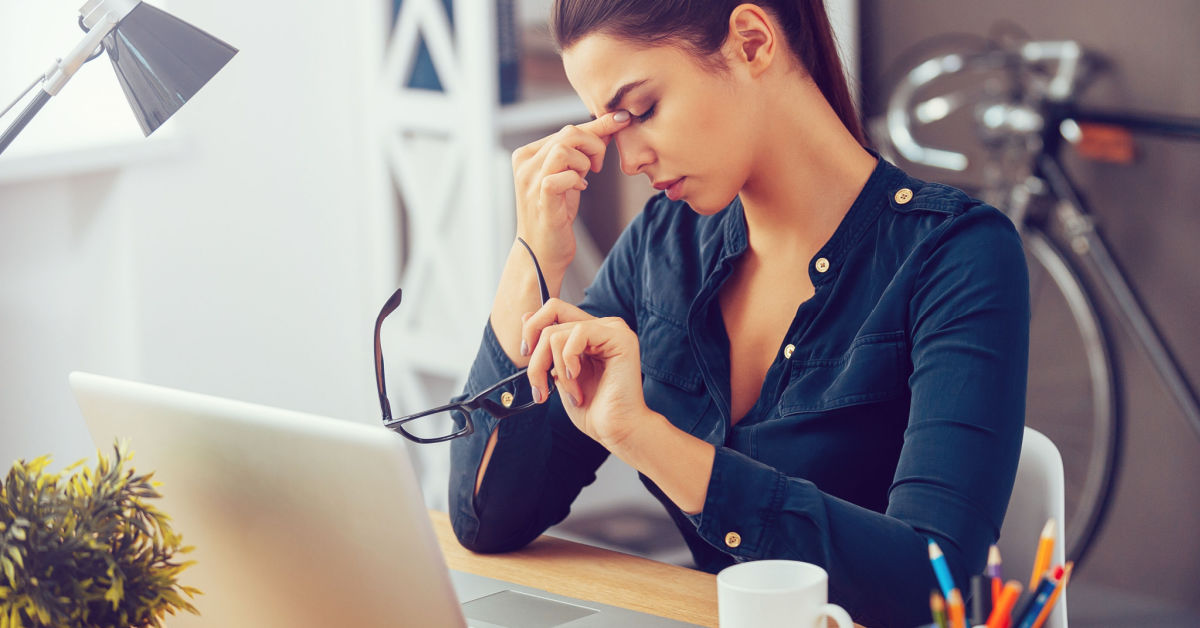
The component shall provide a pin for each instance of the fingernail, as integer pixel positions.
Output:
(574, 401)
(537, 394)
(524, 348)
(570, 374)
(585, 183)
(621, 116)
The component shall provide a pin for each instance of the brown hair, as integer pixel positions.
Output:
(702, 25)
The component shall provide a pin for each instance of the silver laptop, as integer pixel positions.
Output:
(300, 520)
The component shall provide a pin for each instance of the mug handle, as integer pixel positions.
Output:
(838, 615)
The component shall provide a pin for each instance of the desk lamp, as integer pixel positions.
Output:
(160, 60)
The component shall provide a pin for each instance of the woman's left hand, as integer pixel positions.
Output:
(597, 369)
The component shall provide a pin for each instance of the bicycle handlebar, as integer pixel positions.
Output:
(1022, 117)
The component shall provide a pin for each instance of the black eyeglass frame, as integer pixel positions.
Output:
(478, 401)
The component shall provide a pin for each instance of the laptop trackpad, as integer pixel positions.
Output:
(520, 610)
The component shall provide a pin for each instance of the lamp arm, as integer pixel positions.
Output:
(66, 67)
(59, 73)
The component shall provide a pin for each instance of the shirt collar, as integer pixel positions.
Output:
(866, 208)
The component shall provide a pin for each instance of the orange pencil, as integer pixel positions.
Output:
(1041, 561)
(958, 611)
(1062, 584)
(1002, 607)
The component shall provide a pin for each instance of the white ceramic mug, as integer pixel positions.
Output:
(775, 594)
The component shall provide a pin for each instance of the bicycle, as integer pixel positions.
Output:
(1019, 99)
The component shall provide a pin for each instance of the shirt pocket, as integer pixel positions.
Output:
(672, 383)
(872, 370)
(666, 353)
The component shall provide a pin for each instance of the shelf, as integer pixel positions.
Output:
(436, 111)
(22, 167)
(542, 112)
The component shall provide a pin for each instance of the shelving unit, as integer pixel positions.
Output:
(444, 217)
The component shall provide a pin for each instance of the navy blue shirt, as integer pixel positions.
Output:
(892, 413)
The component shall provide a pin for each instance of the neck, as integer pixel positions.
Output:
(811, 171)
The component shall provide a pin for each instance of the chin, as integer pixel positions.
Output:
(708, 205)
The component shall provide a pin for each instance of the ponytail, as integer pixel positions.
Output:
(825, 66)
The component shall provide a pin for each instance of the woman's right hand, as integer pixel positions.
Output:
(548, 175)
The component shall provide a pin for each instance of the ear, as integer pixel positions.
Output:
(752, 38)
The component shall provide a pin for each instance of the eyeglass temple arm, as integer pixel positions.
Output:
(393, 302)
(545, 292)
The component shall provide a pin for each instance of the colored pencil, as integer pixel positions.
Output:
(1049, 607)
(1002, 608)
(1023, 602)
(981, 599)
(937, 606)
(958, 612)
(1041, 561)
(941, 569)
(1045, 589)
(993, 572)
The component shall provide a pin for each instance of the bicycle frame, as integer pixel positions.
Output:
(1073, 213)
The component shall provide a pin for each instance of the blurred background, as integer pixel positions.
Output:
(243, 250)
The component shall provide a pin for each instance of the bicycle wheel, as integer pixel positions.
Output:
(1074, 389)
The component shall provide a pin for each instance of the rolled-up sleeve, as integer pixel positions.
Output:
(541, 460)
(969, 317)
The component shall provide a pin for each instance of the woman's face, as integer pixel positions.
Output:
(690, 124)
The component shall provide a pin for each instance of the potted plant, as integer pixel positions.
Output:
(87, 548)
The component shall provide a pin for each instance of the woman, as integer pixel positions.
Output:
(805, 353)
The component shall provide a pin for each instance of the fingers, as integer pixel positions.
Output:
(553, 312)
(568, 360)
(549, 318)
(588, 140)
(562, 347)
(602, 128)
(548, 357)
(556, 185)
(607, 124)
(563, 157)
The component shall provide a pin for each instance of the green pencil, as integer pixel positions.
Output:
(937, 604)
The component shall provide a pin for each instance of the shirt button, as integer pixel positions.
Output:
(506, 399)
(787, 351)
(733, 539)
(822, 265)
(903, 196)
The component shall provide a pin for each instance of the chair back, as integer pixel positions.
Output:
(1037, 496)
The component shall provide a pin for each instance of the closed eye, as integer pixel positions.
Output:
(647, 115)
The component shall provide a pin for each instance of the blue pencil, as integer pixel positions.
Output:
(1041, 596)
(940, 568)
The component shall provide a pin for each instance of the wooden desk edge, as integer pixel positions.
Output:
(590, 573)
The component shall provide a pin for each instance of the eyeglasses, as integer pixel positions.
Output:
(452, 420)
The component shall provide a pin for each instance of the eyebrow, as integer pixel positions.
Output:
(620, 95)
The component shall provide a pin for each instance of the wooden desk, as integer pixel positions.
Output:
(591, 573)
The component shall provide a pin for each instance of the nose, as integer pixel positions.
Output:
(635, 153)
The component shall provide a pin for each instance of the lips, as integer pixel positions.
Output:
(674, 188)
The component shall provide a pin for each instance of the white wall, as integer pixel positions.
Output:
(233, 263)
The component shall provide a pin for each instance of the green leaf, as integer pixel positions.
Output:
(16, 557)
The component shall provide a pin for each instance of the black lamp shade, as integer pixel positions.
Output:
(161, 62)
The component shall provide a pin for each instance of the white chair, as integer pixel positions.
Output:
(1037, 496)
